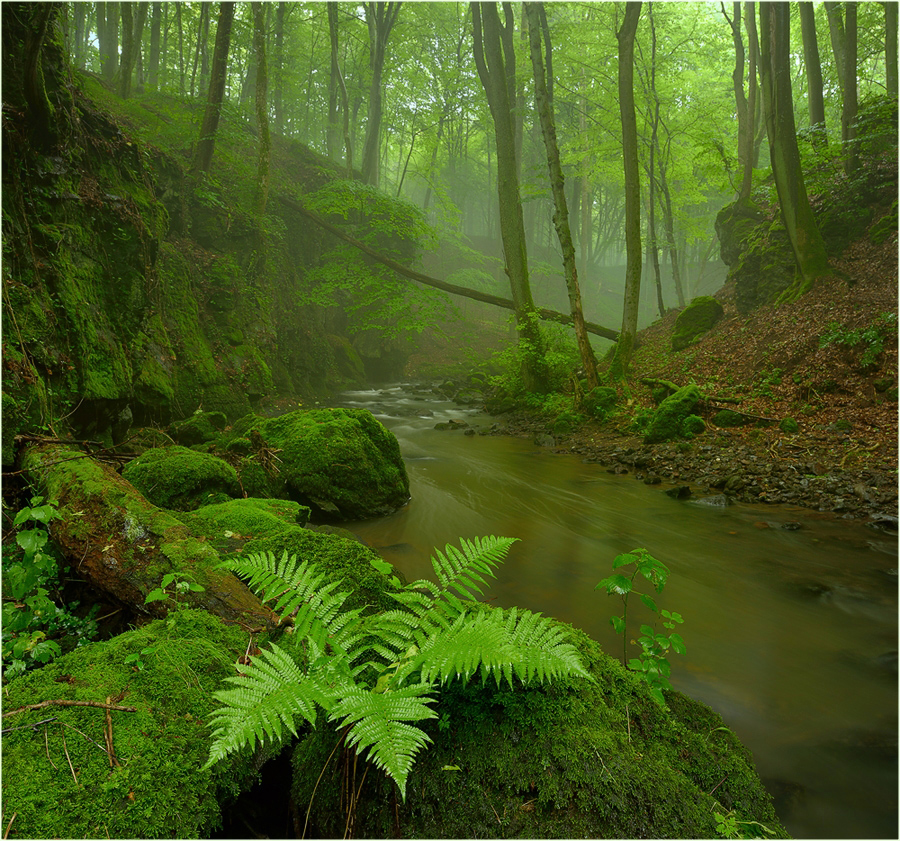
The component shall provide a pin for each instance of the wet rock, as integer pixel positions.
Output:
(652, 480)
(544, 440)
(885, 523)
(469, 431)
(681, 492)
(791, 526)
(714, 501)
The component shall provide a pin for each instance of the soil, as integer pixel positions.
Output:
(843, 459)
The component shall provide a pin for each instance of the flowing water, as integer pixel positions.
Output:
(791, 632)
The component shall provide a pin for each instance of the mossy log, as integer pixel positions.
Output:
(653, 382)
(123, 545)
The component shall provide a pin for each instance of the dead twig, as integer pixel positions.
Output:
(108, 736)
(24, 726)
(9, 825)
(69, 760)
(47, 748)
(64, 703)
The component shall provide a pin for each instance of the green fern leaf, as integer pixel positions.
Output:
(269, 696)
(462, 569)
(377, 721)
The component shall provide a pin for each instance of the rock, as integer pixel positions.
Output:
(885, 523)
(181, 479)
(789, 426)
(715, 501)
(792, 526)
(681, 492)
(652, 480)
(599, 401)
(726, 417)
(544, 440)
(666, 423)
(694, 320)
(199, 428)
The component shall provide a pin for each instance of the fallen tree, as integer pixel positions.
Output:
(427, 280)
(124, 545)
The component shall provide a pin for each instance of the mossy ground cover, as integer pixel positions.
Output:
(70, 789)
(597, 760)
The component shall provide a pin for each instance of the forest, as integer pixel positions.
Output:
(350, 352)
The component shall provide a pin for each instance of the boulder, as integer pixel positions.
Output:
(199, 428)
(182, 479)
(600, 400)
(574, 759)
(340, 462)
(667, 421)
(695, 319)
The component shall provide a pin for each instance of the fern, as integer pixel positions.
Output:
(374, 674)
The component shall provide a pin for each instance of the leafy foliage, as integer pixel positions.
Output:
(375, 676)
(651, 664)
(872, 336)
(35, 620)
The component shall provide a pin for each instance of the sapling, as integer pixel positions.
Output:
(651, 665)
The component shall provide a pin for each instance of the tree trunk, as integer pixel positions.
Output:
(132, 32)
(336, 66)
(332, 136)
(101, 546)
(775, 72)
(204, 11)
(844, 47)
(496, 69)
(262, 113)
(652, 246)
(108, 38)
(536, 24)
(79, 50)
(813, 64)
(625, 345)
(155, 28)
(180, 27)
(890, 47)
(278, 92)
(40, 111)
(380, 18)
(207, 141)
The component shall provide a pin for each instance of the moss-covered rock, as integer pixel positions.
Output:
(247, 517)
(157, 787)
(667, 420)
(342, 462)
(789, 426)
(200, 428)
(182, 479)
(693, 425)
(600, 400)
(694, 320)
(585, 760)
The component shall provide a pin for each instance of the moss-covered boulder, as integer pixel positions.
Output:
(200, 428)
(600, 400)
(155, 787)
(667, 422)
(695, 319)
(341, 462)
(585, 760)
(182, 479)
(726, 418)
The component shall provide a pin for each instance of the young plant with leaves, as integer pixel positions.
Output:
(652, 664)
(376, 676)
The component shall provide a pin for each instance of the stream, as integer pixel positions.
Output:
(790, 615)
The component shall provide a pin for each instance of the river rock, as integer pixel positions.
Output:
(681, 492)
(544, 440)
(715, 501)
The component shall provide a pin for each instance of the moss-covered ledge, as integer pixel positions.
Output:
(59, 779)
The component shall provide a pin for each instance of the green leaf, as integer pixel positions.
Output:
(197, 588)
(156, 595)
(627, 558)
(637, 665)
(32, 540)
(678, 643)
(647, 631)
(618, 623)
(648, 602)
(618, 584)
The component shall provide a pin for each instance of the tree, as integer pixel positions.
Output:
(339, 77)
(108, 37)
(775, 77)
(155, 29)
(813, 64)
(207, 141)
(890, 46)
(842, 26)
(537, 22)
(380, 18)
(133, 17)
(496, 63)
(278, 93)
(261, 194)
(625, 37)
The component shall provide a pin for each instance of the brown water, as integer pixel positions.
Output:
(791, 633)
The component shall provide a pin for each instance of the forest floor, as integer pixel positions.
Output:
(843, 460)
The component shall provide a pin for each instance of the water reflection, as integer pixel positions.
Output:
(791, 632)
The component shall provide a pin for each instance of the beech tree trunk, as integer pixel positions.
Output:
(40, 111)
(890, 47)
(336, 69)
(278, 91)
(844, 46)
(625, 344)
(536, 24)
(813, 64)
(380, 17)
(262, 111)
(153, 64)
(496, 69)
(775, 72)
(207, 142)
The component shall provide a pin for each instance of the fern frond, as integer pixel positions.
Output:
(377, 720)
(293, 585)
(499, 643)
(464, 569)
(268, 697)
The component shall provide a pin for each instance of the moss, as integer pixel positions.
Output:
(595, 760)
(566, 422)
(342, 461)
(158, 789)
(693, 425)
(199, 428)
(182, 479)
(248, 518)
(339, 558)
(695, 319)
(727, 418)
(667, 420)
(789, 426)
(600, 400)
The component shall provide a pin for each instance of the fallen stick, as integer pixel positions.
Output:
(65, 703)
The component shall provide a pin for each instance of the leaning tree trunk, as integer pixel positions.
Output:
(775, 72)
(207, 143)
(123, 545)
(625, 344)
(537, 17)
(496, 68)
